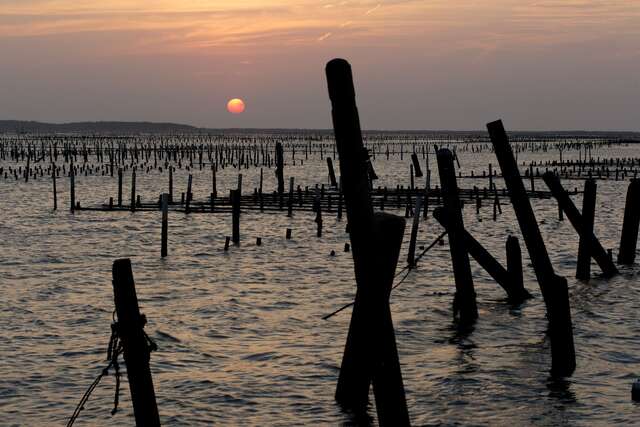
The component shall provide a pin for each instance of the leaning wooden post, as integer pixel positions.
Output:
(165, 225)
(464, 302)
(332, 174)
(411, 256)
(134, 341)
(554, 288)
(583, 268)
(170, 184)
(564, 201)
(235, 214)
(629, 238)
(187, 208)
(72, 187)
(370, 353)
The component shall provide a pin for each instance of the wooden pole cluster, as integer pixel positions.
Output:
(554, 288)
(370, 354)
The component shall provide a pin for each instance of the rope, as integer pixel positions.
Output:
(405, 268)
(114, 350)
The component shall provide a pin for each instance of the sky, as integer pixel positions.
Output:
(417, 64)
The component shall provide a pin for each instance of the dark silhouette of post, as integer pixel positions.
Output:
(515, 290)
(464, 302)
(416, 165)
(165, 224)
(554, 288)
(583, 267)
(235, 213)
(629, 237)
(370, 353)
(72, 187)
(170, 184)
(280, 167)
(134, 342)
(55, 191)
(566, 204)
(411, 255)
(133, 191)
(119, 187)
(332, 174)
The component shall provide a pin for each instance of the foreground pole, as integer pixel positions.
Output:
(554, 288)
(370, 353)
(583, 268)
(134, 342)
(629, 238)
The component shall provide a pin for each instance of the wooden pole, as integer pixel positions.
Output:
(170, 184)
(416, 165)
(332, 174)
(55, 191)
(235, 214)
(370, 352)
(72, 188)
(583, 268)
(554, 288)
(165, 224)
(134, 342)
(119, 187)
(629, 237)
(464, 303)
(133, 190)
(566, 204)
(411, 256)
(280, 167)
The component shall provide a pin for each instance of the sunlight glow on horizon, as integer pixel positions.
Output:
(423, 52)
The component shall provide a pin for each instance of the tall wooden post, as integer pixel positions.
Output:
(72, 187)
(119, 187)
(133, 190)
(583, 268)
(55, 191)
(280, 167)
(554, 288)
(170, 184)
(370, 353)
(134, 342)
(629, 237)
(464, 302)
(332, 174)
(411, 256)
(165, 224)
(235, 214)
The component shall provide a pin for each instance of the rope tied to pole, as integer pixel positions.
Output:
(114, 350)
(406, 268)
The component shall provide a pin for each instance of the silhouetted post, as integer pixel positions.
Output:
(280, 167)
(170, 184)
(370, 353)
(187, 208)
(629, 238)
(564, 201)
(554, 288)
(515, 292)
(235, 213)
(55, 191)
(514, 268)
(411, 256)
(134, 342)
(119, 187)
(416, 165)
(290, 202)
(214, 186)
(332, 174)
(72, 187)
(133, 190)
(583, 268)
(464, 302)
(165, 224)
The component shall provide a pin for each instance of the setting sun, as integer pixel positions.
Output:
(235, 106)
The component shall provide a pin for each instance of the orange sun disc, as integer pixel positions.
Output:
(235, 106)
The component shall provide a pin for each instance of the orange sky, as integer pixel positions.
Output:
(418, 64)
